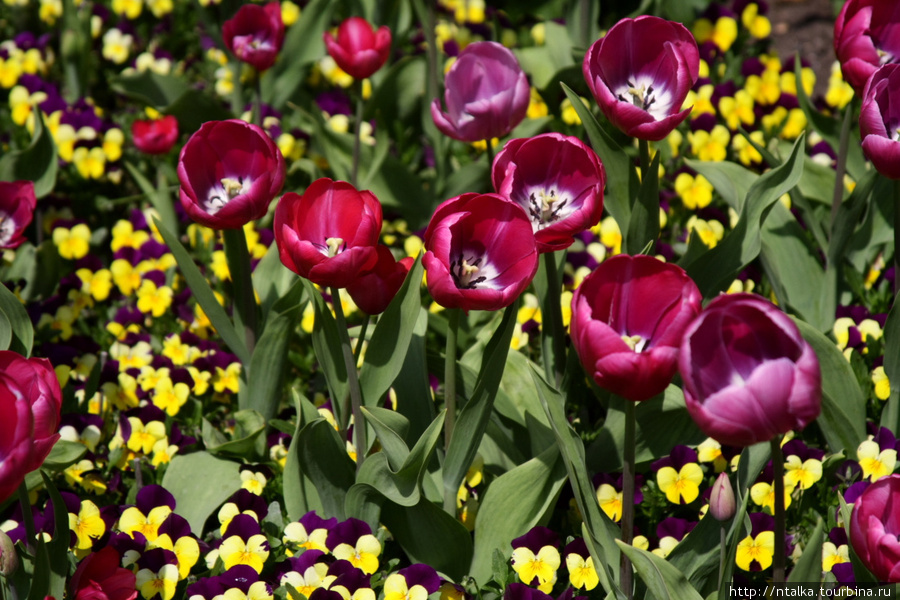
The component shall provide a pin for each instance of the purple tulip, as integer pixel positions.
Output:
(879, 120)
(875, 526)
(640, 74)
(866, 36)
(748, 373)
(486, 93)
(559, 182)
(628, 317)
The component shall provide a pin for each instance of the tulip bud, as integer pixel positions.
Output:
(9, 560)
(722, 505)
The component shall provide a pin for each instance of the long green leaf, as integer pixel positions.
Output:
(323, 458)
(890, 415)
(731, 180)
(663, 580)
(643, 227)
(809, 566)
(157, 196)
(37, 162)
(300, 495)
(58, 547)
(391, 428)
(327, 346)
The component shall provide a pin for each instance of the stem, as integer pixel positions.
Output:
(359, 425)
(644, 147)
(490, 155)
(778, 562)
(28, 517)
(362, 337)
(896, 236)
(554, 365)
(357, 85)
(628, 498)
(238, 257)
(723, 551)
(841, 164)
(138, 474)
(450, 376)
(257, 112)
(585, 29)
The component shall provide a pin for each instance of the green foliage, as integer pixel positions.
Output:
(196, 503)
(37, 162)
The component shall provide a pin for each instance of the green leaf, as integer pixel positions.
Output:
(327, 345)
(643, 227)
(514, 503)
(300, 495)
(545, 61)
(391, 338)
(20, 329)
(57, 548)
(194, 502)
(323, 458)
(843, 418)
(414, 400)
(391, 428)
(150, 88)
(890, 415)
(204, 295)
(271, 279)
(157, 195)
(37, 162)
(809, 566)
(714, 270)
(731, 180)
(663, 580)
(247, 440)
(63, 454)
(697, 555)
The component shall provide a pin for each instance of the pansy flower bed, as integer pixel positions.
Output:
(450, 300)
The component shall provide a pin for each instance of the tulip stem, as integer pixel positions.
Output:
(778, 562)
(490, 154)
(357, 85)
(723, 554)
(238, 257)
(258, 116)
(450, 375)
(359, 425)
(362, 337)
(628, 498)
(896, 236)
(28, 517)
(555, 361)
(840, 166)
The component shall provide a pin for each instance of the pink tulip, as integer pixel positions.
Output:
(229, 172)
(255, 34)
(866, 36)
(330, 233)
(875, 527)
(879, 119)
(374, 291)
(628, 317)
(358, 50)
(559, 182)
(480, 252)
(640, 74)
(155, 136)
(748, 373)
(17, 204)
(100, 576)
(486, 93)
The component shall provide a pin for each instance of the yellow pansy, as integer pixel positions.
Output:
(875, 462)
(363, 556)
(88, 525)
(610, 501)
(72, 243)
(802, 474)
(682, 486)
(760, 549)
(695, 192)
(134, 521)
(541, 566)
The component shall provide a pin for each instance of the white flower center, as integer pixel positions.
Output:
(545, 207)
(222, 194)
(641, 92)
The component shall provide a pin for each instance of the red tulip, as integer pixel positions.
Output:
(30, 400)
(628, 317)
(748, 373)
(374, 291)
(866, 36)
(229, 172)
(879, 119)
(640, 74)
(481, 252)
(486, 93)
(155, 136)
(17, 204)
(559, 182)
(100, 576)
(330, 233)
(358, 50)
(255, 34)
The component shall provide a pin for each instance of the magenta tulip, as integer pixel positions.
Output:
(480, 252)
(329, 234)
(879, 120)
(358, 50)
(17, 204)
(559, 182)
(30, 400)
(628, 317)
(875, 527)
(374, 291)
(486, 93)
(155, 136)
(255, 34)
(748, 373)
(229, 172)
(640, 74)
(866, 36)
(100, 576)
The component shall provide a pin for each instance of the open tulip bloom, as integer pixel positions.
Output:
(640, 74)
(879, 120)
(559, 182)
(866, 36)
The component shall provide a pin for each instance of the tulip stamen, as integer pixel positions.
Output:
(545, 207)
(334, 245)
(635, 342)
(220, 196)
(7, 227)
(463, 273)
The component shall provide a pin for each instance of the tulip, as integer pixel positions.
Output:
(255, 34)
(748, 373)
(559, 182)
(100, 576)
(722, 504)
(480, 252)
(879, 120)
(865, 38)
(155, 136)
(17, 204)
(9, 559)
(330, 233)
(875, 527)
(628, 317)
(640, 74)
(374, 291)
(229, 172)
(358, 50)
(486, 93)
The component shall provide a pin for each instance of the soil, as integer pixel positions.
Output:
(805, 27)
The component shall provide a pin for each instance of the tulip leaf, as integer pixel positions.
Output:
(303, 45)
(157, 195)
(323, 458)
(271, 279)
(197, 502)
(300, 495)
(890, 415)
(204, 294)
(663, 580)
(246, 441)
(150, 88)
(621, 178)
(643, 226)
(411, 386)
(843, 418)
(543, 62)
(36, 163)
(809, 566)
(514, 503)
(731, 180)
(391, 428)
(714, 270)
(697, 555)
(327, 346)
(390, 340)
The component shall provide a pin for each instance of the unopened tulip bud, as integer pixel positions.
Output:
(9, 560)
(721, 500)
